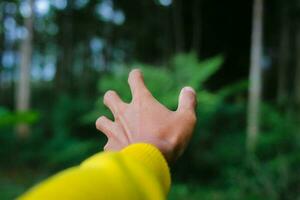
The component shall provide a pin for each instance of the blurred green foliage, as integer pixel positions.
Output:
(215, 165)
(8, 118)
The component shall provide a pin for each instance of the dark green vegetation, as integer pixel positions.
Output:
(201, 43)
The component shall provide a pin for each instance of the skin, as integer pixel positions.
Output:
(146, 120)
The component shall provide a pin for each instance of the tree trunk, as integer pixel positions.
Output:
(178, 26)
(2, 49)
(297, 74)
(167, 42)
(254, 98)
(283, 60)
(108, 48)
(197, 26)
(64, 74)
(23, 85)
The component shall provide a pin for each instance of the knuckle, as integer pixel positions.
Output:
(143, 94)
(190, 116)
(193, 117)
(120, 111)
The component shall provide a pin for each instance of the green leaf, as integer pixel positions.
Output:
(234, 88)
(190, 71)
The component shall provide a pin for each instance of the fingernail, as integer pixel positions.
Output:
(189, 89)
(136, 70)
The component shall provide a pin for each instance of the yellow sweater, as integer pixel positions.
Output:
(137, 172)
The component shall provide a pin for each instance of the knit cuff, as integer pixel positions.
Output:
(153, 159)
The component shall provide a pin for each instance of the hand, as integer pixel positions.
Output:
(145, 120)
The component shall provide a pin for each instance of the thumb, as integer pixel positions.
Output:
(187, 99)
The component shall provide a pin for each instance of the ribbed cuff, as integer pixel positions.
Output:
(151, 157)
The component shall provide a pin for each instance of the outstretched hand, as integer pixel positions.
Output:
(146, 120)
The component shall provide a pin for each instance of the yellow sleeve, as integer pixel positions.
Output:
(137, 172)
